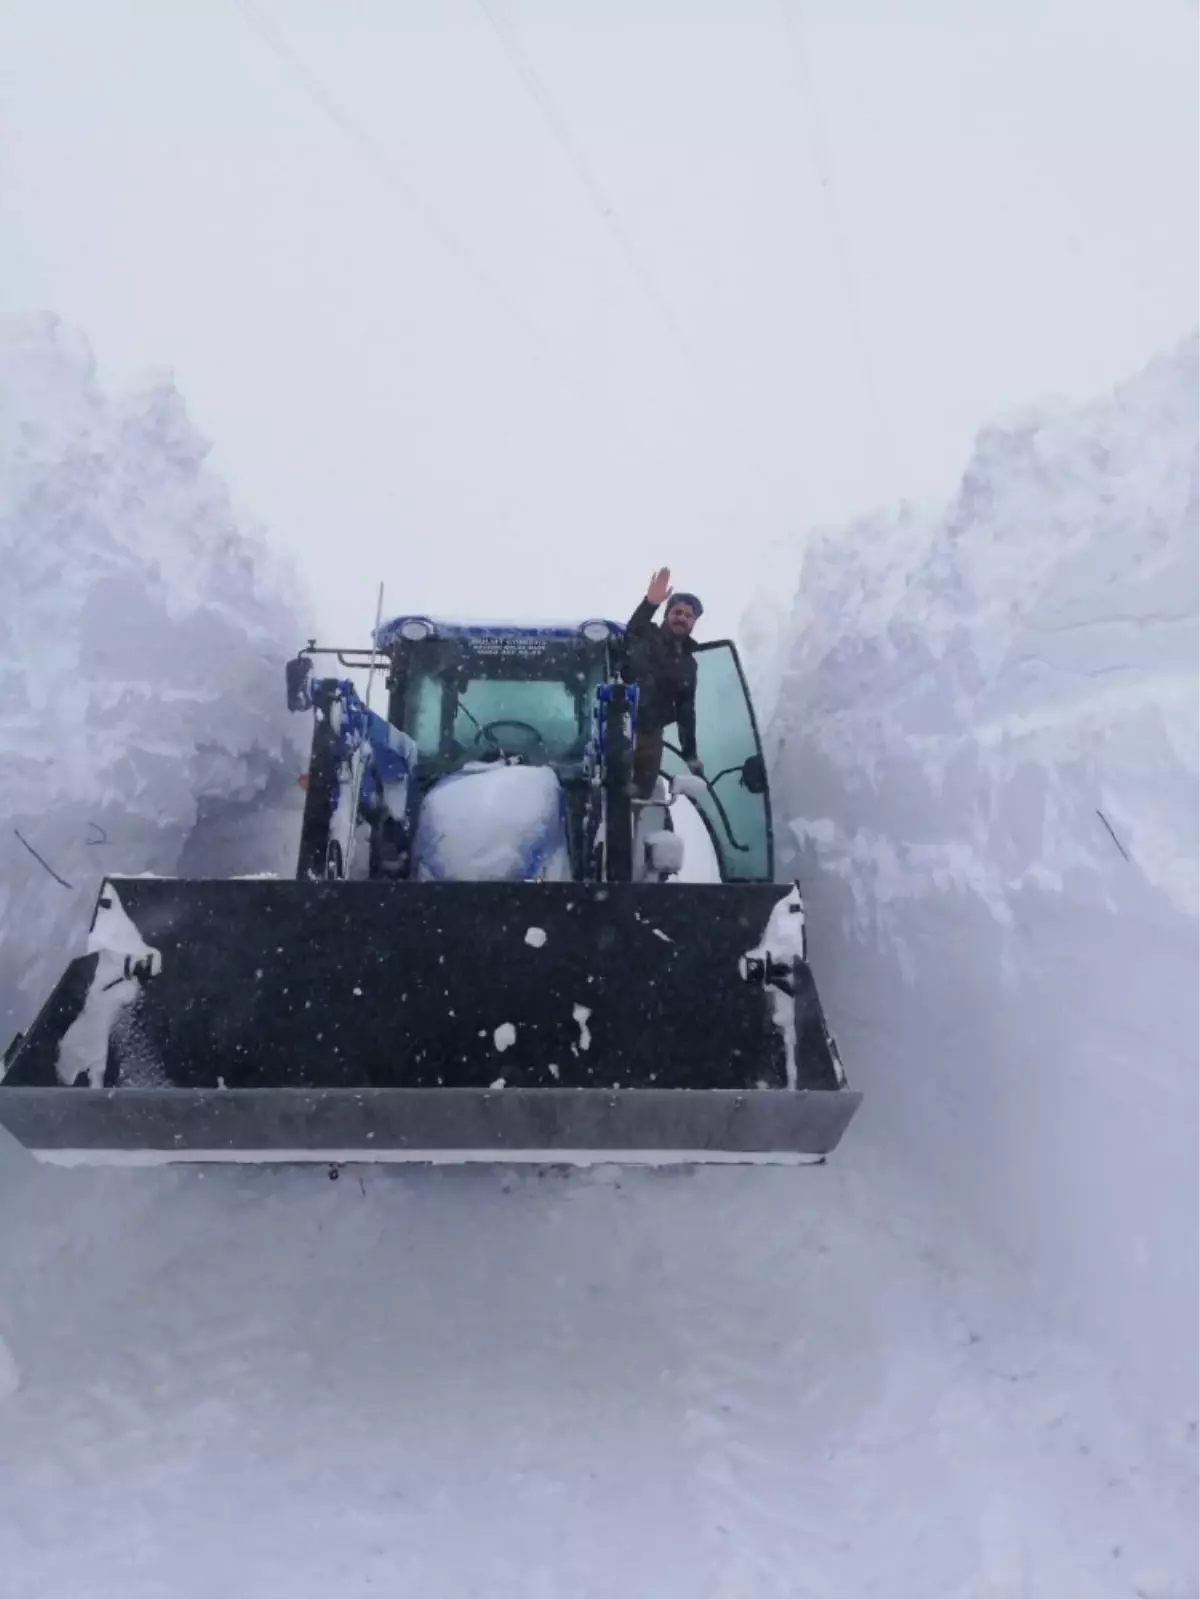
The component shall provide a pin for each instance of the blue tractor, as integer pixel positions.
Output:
(491, 949)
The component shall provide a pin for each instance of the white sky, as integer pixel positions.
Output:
(506, 302)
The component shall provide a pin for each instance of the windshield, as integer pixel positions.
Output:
(529, 697)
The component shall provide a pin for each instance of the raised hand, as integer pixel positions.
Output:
(660, 586)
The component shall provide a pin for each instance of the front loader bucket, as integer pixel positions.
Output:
(270, 1019)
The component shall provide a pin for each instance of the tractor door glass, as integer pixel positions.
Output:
(736, 807)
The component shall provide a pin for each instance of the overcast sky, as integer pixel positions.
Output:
(507, 301)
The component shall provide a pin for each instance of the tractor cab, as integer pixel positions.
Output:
(467, 693)
(466, 697)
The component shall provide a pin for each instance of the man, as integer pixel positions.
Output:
(661, 660)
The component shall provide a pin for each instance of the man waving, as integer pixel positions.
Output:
(661, 660)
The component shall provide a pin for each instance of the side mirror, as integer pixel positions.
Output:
(754, 775)
(687, 786)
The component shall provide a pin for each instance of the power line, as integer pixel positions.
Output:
(606, 211)
(271, 36)
(600, 200)
(806, 98)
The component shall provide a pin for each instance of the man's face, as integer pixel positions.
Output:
(680, 620)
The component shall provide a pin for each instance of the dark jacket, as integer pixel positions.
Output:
(664, 670)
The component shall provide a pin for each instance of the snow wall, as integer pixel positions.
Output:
(142, 638)
(982, 729)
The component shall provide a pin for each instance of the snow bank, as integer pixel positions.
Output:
(984, 753)
(141, 647)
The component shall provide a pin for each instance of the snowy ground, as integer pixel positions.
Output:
(479, 1382)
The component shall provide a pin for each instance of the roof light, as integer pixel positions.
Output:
(415, 628)
(596, 631)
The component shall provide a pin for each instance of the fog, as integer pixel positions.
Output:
(504, 303)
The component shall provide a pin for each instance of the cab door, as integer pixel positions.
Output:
(735, 806)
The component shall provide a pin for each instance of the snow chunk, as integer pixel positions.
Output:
(783, 941)
(784, 935)
(505, 1037)
(123, 961)
(490, 822)
(535, 937)
(113, 930)
(581, 1015)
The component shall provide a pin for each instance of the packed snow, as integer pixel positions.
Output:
(493, 821)
(141, 655)
(958, 1359)
(489, 1382)
(581, 1015)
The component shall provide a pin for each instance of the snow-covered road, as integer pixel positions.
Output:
(486, 1382)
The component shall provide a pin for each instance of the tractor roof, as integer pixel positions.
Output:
(413, 627)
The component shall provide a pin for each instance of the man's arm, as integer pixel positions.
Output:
(642, 620)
